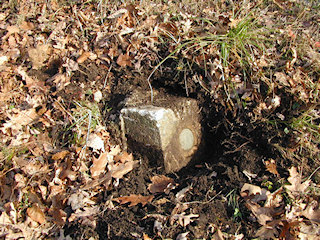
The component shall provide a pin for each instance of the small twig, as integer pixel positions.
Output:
(186, 84)
(313, 173)
(206, 202)
(237, 149)
(106, 78)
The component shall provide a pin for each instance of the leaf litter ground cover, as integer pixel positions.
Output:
(66, 70)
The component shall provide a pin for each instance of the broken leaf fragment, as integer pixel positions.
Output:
(161, 184)
(183, 219)
(271, 166)
(99, 165)
(134, 199)
(255, 193)
(262, 214)
(60, 155)
(124, 60)
(39, 55)
(119, 170)
(36, 214)
(83, 57)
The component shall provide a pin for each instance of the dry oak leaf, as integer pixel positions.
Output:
(99, 165)
(262, 214)
(268, 231)
(312, 212)
(96, 142)
(124, 60)
(160, 184)
(83, 57)
(134, 199)
(39, 55)
(18, 119)
(60, 155)
(119, 170)
(123, 157)
(36, 214)
(296, 187)
(271, 166)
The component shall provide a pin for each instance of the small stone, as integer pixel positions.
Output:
(97, 96)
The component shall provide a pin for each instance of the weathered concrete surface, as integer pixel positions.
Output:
(168, 132)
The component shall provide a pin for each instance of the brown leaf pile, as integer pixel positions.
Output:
(300, 218)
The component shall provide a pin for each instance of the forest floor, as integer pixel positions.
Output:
(67, 68)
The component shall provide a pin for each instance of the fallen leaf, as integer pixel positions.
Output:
(169, 28)
(3, 60)
(179, 208)
(184, 220)
(124, 60)
(262, 214)
(99, 164)
(31, 82)
(3, 16)
(85, 214)
(60, 155)
(182, 236)
(217, 235)
(123, 157)
(146, 237)
(118, 13)
(119, 170)
(5, 219)
(268, 231)
(254, 193)
(61, 80)
(11, 30)
(115, 150)
(272, 167)
(39, 55)
(296, 187)
(95, 142)
(26, 26)
(180, 195)
(312, 212)
(59, 216)
(127, 20)
(36, 214)
(83, 57)
(160, 183)
(18, 119)
(80, 199)
(134, 199)
(274, 199)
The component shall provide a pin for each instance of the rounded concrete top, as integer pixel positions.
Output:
(186, 139)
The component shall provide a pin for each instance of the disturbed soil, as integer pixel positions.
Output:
(232, 146)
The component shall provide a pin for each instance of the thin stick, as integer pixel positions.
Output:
(106, 78)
